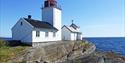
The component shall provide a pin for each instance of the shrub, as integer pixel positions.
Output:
(84, 43)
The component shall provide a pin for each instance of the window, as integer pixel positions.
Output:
(37, 33)
(46, 34)
(54, 34)
(21, 23)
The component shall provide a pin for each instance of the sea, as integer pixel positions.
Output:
(114, 44)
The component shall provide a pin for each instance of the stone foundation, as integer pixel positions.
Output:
(41, 44)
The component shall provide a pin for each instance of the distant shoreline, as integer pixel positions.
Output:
(103, 37)
(6, 38)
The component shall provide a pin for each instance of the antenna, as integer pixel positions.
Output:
(72, 21)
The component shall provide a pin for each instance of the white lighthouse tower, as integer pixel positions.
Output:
(51, 13)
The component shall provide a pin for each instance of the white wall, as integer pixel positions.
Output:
(57, 21)
(42, 37)
(53, 16)
(22, 32)
(73, 36)
(76, 36)
(80, 36)
(66, 34)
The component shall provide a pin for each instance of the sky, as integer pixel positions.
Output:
(96, 18)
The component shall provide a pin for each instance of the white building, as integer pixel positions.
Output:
(34, 32)
(71, 32)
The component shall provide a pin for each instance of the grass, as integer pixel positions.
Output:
(84, 43)
(7, 52)
(3, 43)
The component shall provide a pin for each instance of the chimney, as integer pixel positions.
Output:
(29, 16)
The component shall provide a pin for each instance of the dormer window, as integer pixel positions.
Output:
(21, 23)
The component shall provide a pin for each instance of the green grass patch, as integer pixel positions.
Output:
(7, 53)
(3, 43)
(84, 43)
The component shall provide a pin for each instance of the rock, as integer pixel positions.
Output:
(57, 52)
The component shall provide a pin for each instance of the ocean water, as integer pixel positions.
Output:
(5, 38)
(115, 44)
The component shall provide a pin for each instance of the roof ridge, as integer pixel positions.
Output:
(31, 19)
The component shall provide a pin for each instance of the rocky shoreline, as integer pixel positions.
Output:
(100, 57)
(111, 57)
(67, 52)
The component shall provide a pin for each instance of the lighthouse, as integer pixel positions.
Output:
(51, 13)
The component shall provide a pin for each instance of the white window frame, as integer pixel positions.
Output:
(54, 34)
(46, 34)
